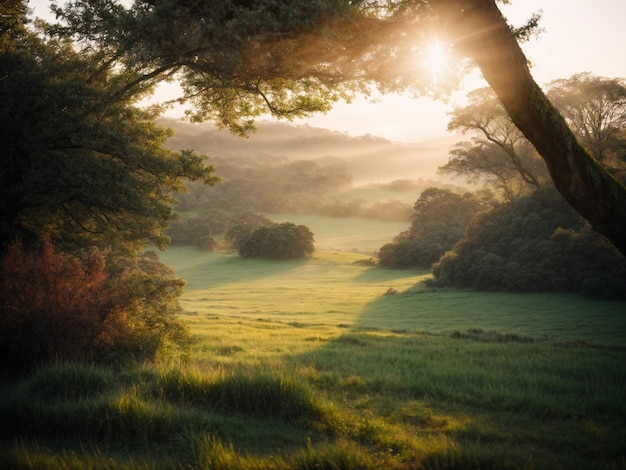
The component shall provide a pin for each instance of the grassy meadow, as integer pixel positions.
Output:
(312, 364)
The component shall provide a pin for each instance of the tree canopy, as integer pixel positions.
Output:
(438, 223)
(278, 241)
(236, 59)
(80, 162)
(498, 153)
(85, 185)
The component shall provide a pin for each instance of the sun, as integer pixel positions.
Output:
(436, 60)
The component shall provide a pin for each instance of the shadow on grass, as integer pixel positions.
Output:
(569, 317)
(201, 269)
(378, 274)
(498, 398)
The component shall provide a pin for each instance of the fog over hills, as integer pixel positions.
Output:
(369, 159)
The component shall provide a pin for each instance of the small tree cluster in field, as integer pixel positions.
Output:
(534, 244)
(56, 306)
(439, 222)
(280, 241)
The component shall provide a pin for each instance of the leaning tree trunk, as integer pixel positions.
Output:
(483, 34)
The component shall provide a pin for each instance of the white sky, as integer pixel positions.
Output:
(580, 36)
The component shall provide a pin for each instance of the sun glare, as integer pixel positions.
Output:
(436, 60)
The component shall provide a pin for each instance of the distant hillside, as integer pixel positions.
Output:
(369, 159)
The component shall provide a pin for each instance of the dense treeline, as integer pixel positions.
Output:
(367, 158)
(268, 184)
(536, 243)
(438, 222)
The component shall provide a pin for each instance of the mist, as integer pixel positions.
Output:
(369, 159)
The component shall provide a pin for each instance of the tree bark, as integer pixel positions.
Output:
(483, 34)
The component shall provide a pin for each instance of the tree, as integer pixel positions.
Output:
(482, 33)
(79, 161)
(500, 155)
(279, 241)
(238, 58)
(595, 109)
(242, 227)
(13, 26)
(438, 223)
(83, 166)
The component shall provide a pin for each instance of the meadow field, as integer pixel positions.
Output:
(331, 362)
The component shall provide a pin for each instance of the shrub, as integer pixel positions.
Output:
(280, 241)
(55, 306)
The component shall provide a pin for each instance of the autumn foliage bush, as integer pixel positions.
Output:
(57, 306)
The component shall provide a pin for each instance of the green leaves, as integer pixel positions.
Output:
(80, 162)
(279, 241)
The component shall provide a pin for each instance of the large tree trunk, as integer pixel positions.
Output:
(483, 34)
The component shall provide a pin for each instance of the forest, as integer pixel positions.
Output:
(155, 313)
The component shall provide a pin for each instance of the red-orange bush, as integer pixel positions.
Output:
(53, 306)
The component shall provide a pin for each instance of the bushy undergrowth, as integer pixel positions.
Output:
(55, 305)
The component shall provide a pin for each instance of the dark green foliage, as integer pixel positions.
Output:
(279, 241)
(78, 160)
(535, 244)
(439, 222)
(83, 166)
(12, 26)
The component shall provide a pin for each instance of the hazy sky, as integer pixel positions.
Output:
(580, 36)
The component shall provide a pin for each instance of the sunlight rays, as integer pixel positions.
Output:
(436, 61)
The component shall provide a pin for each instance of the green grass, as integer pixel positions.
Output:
(334, 234)
(334, 289)
(308, 364)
